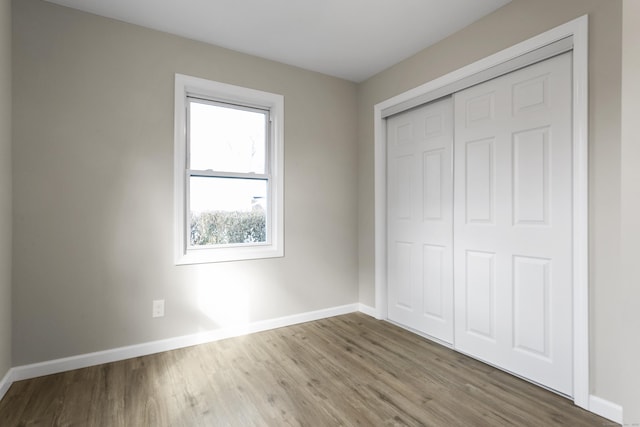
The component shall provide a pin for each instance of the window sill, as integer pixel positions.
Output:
(227, 254)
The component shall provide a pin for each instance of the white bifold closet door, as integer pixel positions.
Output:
(513, 222)
(483, 261)
(420, 219)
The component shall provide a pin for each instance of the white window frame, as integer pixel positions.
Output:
(274, 247)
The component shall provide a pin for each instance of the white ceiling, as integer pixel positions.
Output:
(351, 39)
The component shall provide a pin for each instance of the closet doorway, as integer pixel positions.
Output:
(487, 242)
(485, 218)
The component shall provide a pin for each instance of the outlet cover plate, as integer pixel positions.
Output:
(158, 308)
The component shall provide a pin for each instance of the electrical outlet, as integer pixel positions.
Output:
(158, 308)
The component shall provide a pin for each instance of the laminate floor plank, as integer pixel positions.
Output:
(382, 385)
(411, 390)
(319, 379)
(348, 370)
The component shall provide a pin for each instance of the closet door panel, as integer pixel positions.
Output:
(513, 222)
(420, 219)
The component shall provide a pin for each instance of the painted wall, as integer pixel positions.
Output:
(628, 294)
(515, 22)
(93, 185)
(5, 187)
(92, 161)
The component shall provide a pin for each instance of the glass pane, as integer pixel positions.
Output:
(227, 211)
(226, 139)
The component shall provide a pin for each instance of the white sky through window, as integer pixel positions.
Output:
(227, 194)
(226, 139)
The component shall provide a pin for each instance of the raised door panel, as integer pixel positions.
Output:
(479, 290)
(434, 285)
(403, 178)
(479, 176)
(403, 268)
(531, 322)
(432, 171)
(531, 177)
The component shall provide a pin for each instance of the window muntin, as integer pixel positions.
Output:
(228, 172)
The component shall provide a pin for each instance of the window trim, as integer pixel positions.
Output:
(221, 92)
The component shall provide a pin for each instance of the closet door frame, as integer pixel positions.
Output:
(577, 30)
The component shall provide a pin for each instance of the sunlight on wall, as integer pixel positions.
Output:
(224, 295)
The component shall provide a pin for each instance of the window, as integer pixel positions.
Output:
(228, 172)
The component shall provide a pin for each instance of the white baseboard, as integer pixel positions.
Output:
(369, 311)
(597, 405)
(6, 382)
(113, 355)
(606, 409)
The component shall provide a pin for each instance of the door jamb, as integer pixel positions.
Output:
(578, 30)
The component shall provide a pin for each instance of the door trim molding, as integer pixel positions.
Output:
(578, 31)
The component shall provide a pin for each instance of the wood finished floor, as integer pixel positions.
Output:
(349, 370)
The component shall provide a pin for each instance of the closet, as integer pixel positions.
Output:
(479, 221)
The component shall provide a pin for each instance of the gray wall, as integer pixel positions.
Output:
(507, 26)
(93, 186)
(629, 291)
(5, 187)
